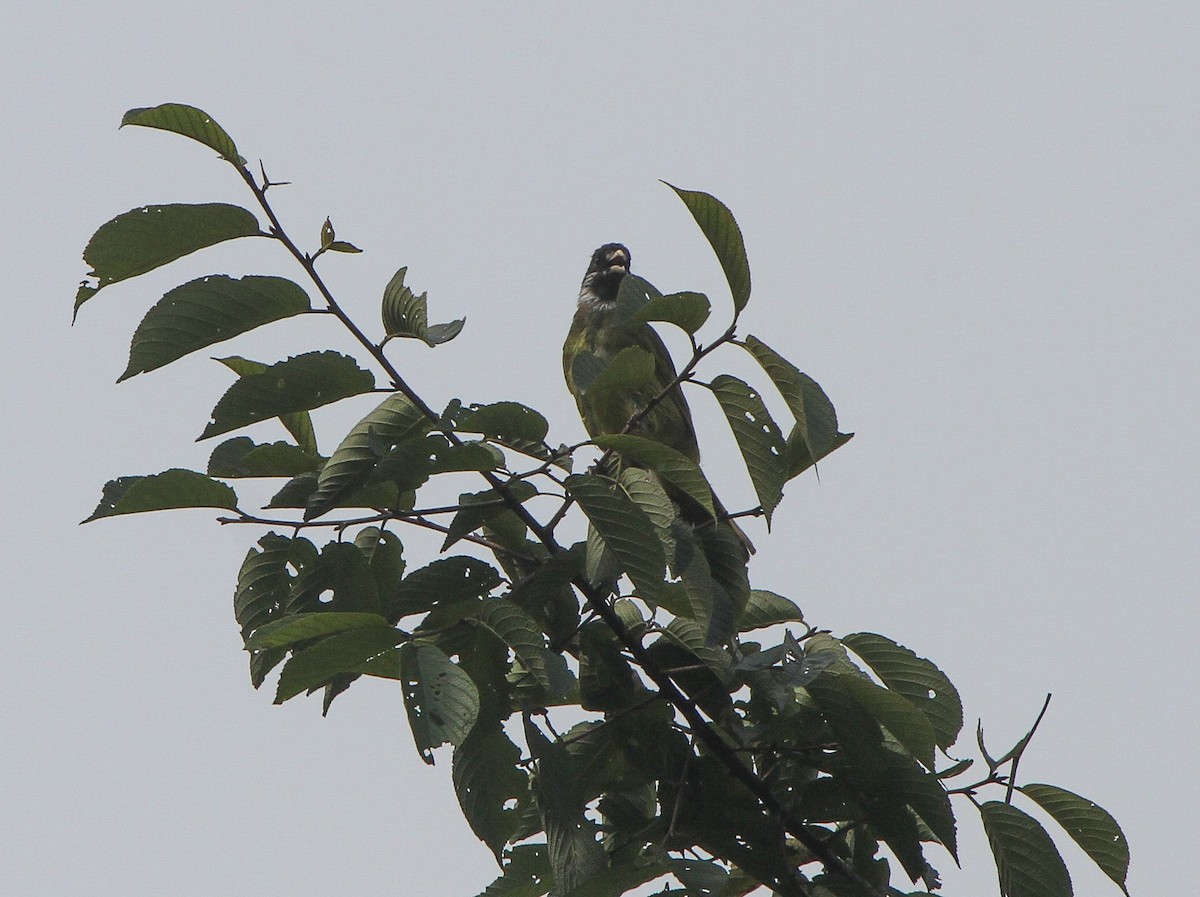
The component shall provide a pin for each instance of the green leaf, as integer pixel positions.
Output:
(444, 581)
(441, 699)
(1090, 825)
(629, 370)
(625, 528)
(766, 609)
(688, 311)
(146, 238)
(527, 873)
(515, 628)
(394, 419)
(719, 227)
(300, 383)
(505, 421)
(342, 246)
(310, 668)
(634, 294)
(673, 466)
(757, 436)
(161, 492)
(301, 627)
(327, 233)
(907, 725)
(1027, 861)
(816, 421)
(407, 315)
(797, 457)
(702, 878)
(209, 310)
(487, 777)
(576, 857)
(339, 580)
(885, 783)
(188, 121)
(646, 491)
(916, 678)
(297, 492)
(241, 456)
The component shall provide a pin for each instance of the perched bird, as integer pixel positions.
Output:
(596, 337)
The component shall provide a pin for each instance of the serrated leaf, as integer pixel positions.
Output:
(797, 457)
(907, 725)
(765, 608)
(625, 528)
(164, 491)
(209, 310)
(515, 628)
(723, 234)
(673, 466)
(486, 777)
(758, 437)
(527, 873)
(506, 421)
(300, 383)
(146, 238)
(241, 456)
(687, 311)
(301, 627)
(576, 856)
(440, 698)
(437, 334)
(646, 491)
(444, 581)
(629, 370)
(816, 420)
(392, 420)
(189, 122)
(1089, 825)
(310, 668)
(634, 294)
(916, 678)
(1027, 861)
(406, 314)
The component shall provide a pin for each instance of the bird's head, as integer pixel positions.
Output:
(609, 264)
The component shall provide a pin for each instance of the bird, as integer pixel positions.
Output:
(597, 336)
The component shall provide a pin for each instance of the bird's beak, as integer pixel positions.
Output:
(618, 261)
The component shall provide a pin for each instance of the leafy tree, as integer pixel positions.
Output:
(624, 709)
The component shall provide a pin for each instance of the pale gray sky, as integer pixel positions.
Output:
(975, 225)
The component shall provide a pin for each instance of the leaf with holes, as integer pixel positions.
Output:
(441, 699)
(916, 678)
(723, 234)
(1090, 825)
(687, 311)
(146, 238)
(1028, 863)
(164, 491)
(816, 420)
(444, 581)
(187, 121)
(758, 437)
(241, 456)
(492, 788)
(210, 310)
(300, 383)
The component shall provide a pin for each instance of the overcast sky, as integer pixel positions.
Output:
(976, 225)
